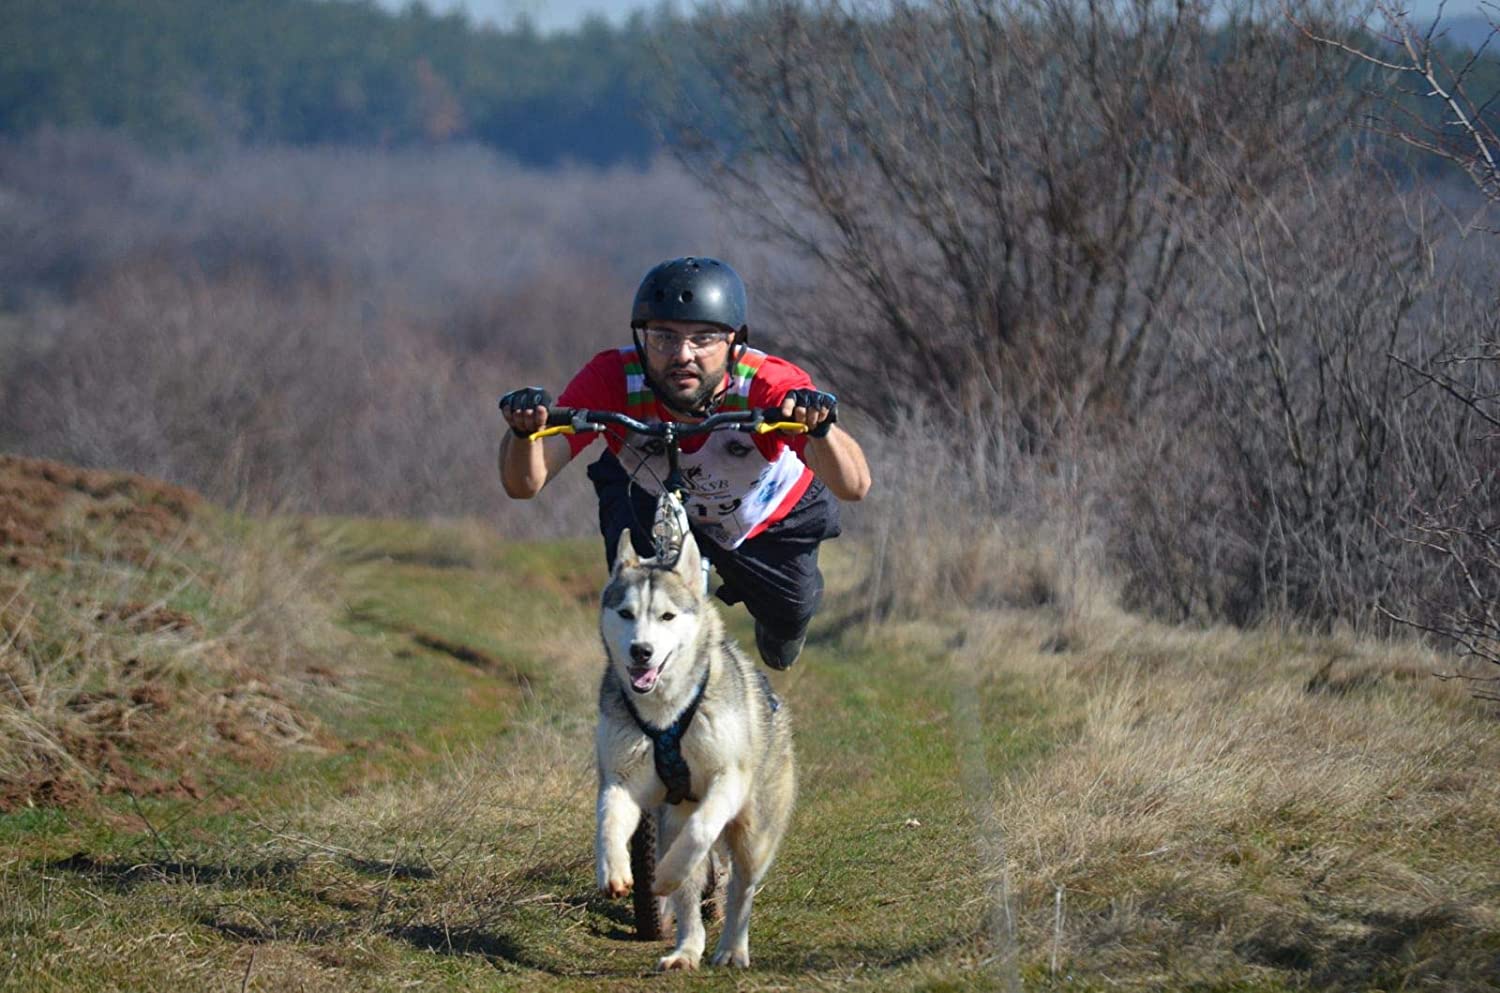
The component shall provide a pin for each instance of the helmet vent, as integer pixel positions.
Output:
(687, 296)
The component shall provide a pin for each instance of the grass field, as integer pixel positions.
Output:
(984, 805)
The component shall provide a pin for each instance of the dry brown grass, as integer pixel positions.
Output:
(141, 633)
(980, 525)
(1221, 805)
(1318, 804)
(1220, 810)
(458, 861)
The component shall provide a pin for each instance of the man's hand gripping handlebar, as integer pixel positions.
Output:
(525, 410)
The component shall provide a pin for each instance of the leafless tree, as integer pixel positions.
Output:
(1445, 104)
(999, 196)
(1155, 219)
(1445, 99)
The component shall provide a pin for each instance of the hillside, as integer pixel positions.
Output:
(985, 804)
(1472, 31)
(143, 640)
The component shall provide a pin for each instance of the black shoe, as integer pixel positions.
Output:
(779, 655)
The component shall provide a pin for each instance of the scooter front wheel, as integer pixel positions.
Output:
(648, 906)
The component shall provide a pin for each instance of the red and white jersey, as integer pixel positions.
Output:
(737, 484)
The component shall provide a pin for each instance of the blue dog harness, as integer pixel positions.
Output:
(666, 746)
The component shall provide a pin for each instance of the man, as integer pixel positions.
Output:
(759, 505)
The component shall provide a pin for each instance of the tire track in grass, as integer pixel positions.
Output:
(882, 882)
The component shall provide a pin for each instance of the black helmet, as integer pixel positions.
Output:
(691, 289)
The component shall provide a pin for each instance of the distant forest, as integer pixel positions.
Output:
(190, 73)
(181, 74)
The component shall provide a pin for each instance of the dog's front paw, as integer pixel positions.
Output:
(677, 962)
(739, 958)
(616, 884)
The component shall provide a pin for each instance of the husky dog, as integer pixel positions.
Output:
(687, 724)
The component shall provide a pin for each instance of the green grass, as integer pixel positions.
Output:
(442, 837)
(427, 851)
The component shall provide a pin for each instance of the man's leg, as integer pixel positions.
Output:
(622, 505)
(776, 575)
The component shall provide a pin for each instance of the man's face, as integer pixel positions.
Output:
(687, 359)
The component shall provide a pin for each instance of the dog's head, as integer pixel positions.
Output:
(651, 613)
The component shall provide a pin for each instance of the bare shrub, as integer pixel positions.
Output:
(230, 387)
(1285, 472)
(315, 329)
(1294, 440)
(1450, 523)
(1004, 193)
(1443, 105)
(980, 525)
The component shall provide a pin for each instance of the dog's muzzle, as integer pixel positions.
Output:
(643, 673)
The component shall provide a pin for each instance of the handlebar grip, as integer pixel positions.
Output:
(559, 415)
(772, 419)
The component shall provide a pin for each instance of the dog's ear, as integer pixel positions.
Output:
(689, 564)
(625, 554)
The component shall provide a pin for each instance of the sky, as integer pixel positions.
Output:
(547, 15)
(562, 15)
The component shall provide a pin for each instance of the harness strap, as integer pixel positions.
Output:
(666, 746)
(772, 700)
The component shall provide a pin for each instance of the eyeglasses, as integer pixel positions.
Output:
(670, 342)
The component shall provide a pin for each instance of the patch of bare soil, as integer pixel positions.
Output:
(143, 618)
(43, 504)
(100, 743)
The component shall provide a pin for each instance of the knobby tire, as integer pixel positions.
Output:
(648, 915)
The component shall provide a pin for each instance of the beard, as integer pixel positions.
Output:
(691, 396)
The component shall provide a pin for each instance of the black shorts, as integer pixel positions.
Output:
(775, 574)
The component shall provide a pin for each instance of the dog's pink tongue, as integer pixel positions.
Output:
(643, 681)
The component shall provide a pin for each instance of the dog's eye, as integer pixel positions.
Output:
(627, 613)
(668, 616)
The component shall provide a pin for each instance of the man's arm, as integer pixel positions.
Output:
(840, 463)
(835, 458)
(525, 466)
